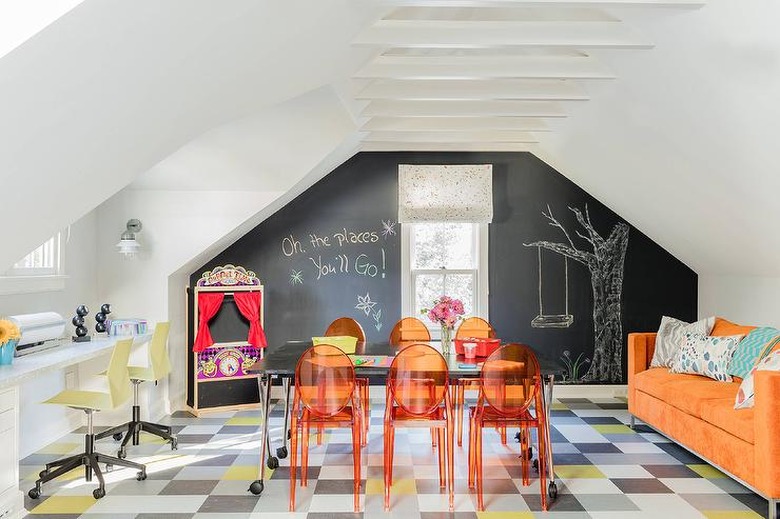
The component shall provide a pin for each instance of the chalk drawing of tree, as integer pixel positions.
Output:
(605, 264)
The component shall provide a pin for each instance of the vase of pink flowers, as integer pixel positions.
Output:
(446, 311)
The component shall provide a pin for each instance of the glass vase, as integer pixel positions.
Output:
(7, 350)
(446, 340)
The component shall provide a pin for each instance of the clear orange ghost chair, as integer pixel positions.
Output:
(351, 328)
(324, 395)
(481, 329)
(418, 396)
(510, 383)
(409, 329)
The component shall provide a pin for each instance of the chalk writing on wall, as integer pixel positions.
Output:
(344, 251)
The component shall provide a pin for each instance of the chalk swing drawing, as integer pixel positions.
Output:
(544, 320)
(606, 264)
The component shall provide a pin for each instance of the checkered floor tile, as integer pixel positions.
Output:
(605, 470)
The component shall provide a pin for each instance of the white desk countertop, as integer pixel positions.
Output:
(34, 364)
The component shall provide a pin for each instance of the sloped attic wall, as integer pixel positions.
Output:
(363, 192)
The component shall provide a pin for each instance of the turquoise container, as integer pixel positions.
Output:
(7, 350)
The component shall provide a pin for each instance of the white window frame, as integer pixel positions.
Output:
(21, 280)
(481, 287)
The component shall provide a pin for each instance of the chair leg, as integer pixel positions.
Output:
(357, 435)
(472, 452)
(68, 464)
(305, 455)
(388, 459)
(113, 460)
(320, 428)
(442, 446)
(451, 462)
(112, 431)
(524, 444)
(542, 450)
(460, 403)
(293, 460)
(478, 465)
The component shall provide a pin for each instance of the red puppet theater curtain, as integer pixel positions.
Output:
(208, 306)
(249, 305)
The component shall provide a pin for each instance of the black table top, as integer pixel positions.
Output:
(282, 359)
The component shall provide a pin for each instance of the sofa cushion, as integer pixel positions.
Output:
(751, 349)
(745, 398)
(721, 413)
(689, 393)
(724, 327)
(706, 355)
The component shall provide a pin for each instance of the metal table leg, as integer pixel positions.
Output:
(264, 384)
(281, 452)
(552, 488)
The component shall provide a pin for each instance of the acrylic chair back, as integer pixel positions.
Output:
(409, 329)
(324, 380)
(346, 326)
(118, 378)
(158, 352)
(475, 327)
(418, 379)
(511, 379)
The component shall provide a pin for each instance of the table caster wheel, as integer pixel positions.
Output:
(256, 488)
(536, 465)
(552, 490)
(121, 453)
(174, 443)
(109, 467)
(34, 493)
(272, 462)
(530, 453)
(42, 474)
(281, 452)
(98, 493)
(289, 434)
(117, 436)
(141, 475)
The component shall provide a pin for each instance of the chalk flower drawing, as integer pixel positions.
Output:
(296, 277)
(365, 304)
(388, 228)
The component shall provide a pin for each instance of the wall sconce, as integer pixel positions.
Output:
(127, 243)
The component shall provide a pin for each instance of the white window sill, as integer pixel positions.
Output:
(10, 285)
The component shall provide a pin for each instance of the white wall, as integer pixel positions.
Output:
(80, 267)
(744, 300)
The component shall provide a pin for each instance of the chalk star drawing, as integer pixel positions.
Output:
(365, 304)
(388, 228)
(296, 277)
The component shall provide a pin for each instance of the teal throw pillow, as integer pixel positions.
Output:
(749, 350)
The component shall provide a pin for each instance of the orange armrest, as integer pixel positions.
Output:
(766, 418)
(641, 347)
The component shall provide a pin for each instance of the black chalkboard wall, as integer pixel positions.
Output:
(335, 251)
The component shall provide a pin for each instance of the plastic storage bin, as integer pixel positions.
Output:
(345, 343)
(484, 346)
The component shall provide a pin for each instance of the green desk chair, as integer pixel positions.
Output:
(159, 366)
(89, 402)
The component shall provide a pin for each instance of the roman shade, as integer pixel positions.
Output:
(445, 193)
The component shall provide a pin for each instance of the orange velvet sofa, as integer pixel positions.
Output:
(698, 413)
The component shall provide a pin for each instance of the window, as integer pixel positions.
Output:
(43, 261)
(445, 258)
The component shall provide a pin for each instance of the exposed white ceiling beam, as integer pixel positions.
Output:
(484, 67)
(391, 107)
(544, 89)
(459, 136)
(557, 3)
(478, 34)
(444, 124)
(446, 146)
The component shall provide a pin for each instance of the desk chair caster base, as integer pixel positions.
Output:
(256, 487)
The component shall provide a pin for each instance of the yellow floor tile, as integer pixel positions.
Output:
(64, 505)
(244, 420)
(400, 487)
(707, 471)
(558, 406)
(613, 429)
(505, 515)
(579, 472)
(731, 514)
(59, 448)
(245, 472)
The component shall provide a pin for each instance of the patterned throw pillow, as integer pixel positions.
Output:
(750, 350)
(746, 394)
(705, 355)
(671, 335)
